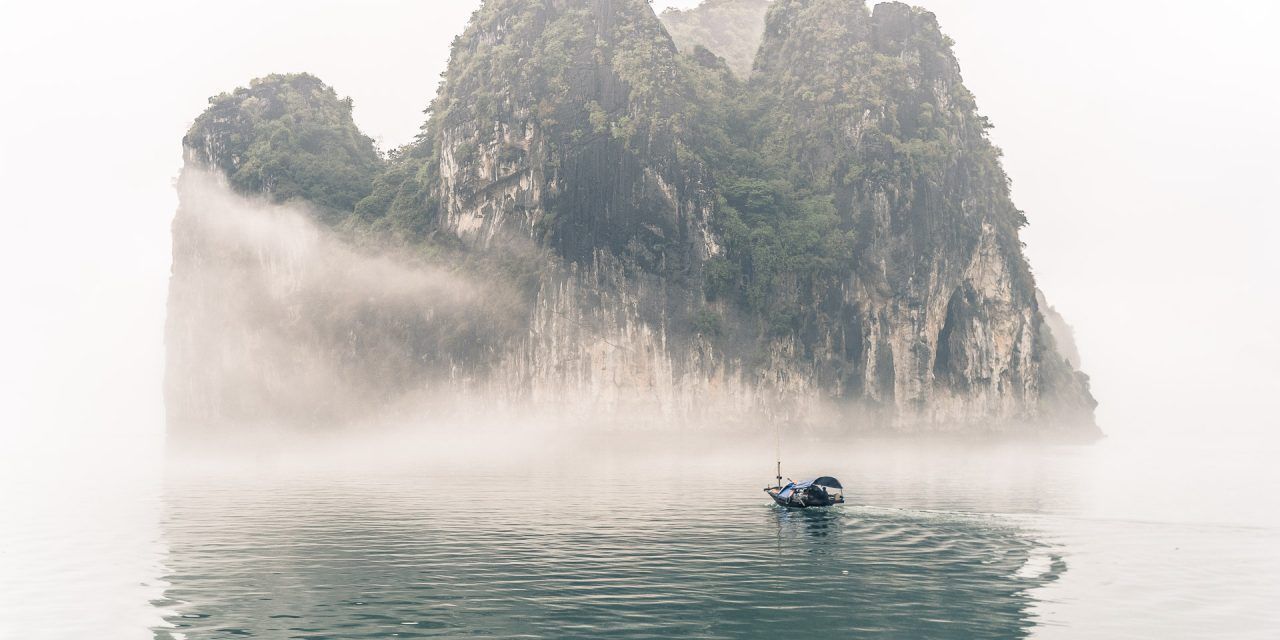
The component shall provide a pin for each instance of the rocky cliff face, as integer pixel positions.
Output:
(556, 124)
(949, 326)
(597, 223)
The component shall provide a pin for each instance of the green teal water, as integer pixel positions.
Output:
(1158, 538)
(371, 560)
(933, 545)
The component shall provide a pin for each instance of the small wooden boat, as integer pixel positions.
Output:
(819, 492)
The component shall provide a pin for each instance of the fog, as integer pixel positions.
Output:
(275, 320)
(1138, 138)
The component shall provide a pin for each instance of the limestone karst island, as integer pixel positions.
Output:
(787, 210)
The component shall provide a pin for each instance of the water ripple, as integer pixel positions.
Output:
(372, 558)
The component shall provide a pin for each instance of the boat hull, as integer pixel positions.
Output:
(802, 499)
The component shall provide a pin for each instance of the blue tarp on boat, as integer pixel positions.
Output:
(786, 492)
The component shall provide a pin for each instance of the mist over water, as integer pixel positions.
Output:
(1150, 227)
(1124, 538)
(287, 336)
(938, 539)
(498, 523)
(278, 324)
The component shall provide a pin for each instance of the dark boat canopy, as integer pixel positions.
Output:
(824, 481)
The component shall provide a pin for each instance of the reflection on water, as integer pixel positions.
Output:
(414, 557)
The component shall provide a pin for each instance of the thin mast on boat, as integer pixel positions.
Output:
(778, 449)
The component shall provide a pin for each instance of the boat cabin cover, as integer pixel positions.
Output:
(826, 482)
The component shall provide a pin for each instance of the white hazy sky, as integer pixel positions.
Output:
(1141, 137)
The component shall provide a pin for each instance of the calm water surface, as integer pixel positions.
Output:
(937, 542)
(413, 557)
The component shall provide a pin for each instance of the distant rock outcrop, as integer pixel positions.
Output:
(731, 29)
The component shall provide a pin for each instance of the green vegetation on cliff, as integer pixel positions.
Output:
(290, 137)
(777, 236)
